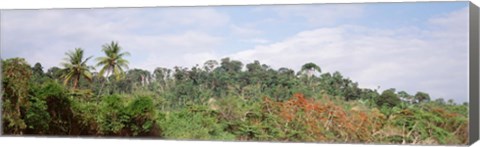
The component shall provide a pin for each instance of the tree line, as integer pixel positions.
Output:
(219, 100)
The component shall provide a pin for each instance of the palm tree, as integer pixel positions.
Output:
(113, 63)
(75, 67)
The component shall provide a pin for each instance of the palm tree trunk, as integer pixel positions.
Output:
(100, 91)
(103, 85)
(75, 82)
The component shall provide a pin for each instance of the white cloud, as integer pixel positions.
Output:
(244, 31)
(161, 34)
(409, 58)
(320, 14)
(429, 59)
(170, 50)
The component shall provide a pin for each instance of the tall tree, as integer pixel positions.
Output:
(422, 97)
(75, 67)
(113, 63)
(16, 73)
(231, 71)
(451, 102)
(440, 101)
(139, 78)
(210, 65)
(388, 98)
(38, 76)
(37, 69)
(310, 68)
(286, 71)
(256, 73)
(162, 75)
(54, 73)
(231, 66)
(405, 96)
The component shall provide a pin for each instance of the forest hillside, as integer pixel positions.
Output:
(224, 100)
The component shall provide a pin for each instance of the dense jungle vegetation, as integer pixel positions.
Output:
(219, 100)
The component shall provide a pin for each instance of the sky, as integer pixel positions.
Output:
(412, 47)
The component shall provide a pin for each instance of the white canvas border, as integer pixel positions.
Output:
(42, 4)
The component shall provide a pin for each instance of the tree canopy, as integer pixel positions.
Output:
(220, 100)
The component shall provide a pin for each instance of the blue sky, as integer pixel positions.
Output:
(408, 46)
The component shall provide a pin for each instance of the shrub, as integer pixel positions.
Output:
(141, 115)
(119, 118)
(194, 122)
(302, 119)
(58, 107)
(241, 117)
(85, 114)
(16, 73)
(37, 117)
(111, 118)
(388, 98)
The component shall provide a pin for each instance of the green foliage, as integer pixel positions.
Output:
(422, 97)
(111, 118)
(75, 67)
(16, 73)
(142, 115)
(221, 101)
(239, 117)
(310, 68)
(118, 117)
(37, 117)
(113, 63)
(59, 107)
(38, 76)
(430, 122)
(54, 73)
(86, 116)
(196, 122)
(388, 98)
